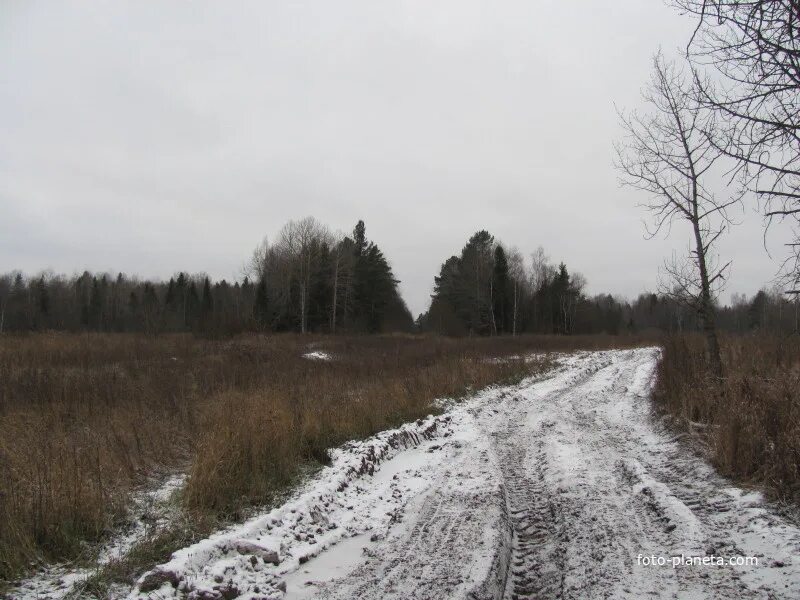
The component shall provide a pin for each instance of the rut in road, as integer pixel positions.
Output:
(592, 482)
(535, 557)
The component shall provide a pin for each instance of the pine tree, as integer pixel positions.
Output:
(476, 269)
(501, 300)
(359, 238)
(564, 297)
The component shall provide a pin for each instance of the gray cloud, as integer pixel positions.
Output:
(152, 137)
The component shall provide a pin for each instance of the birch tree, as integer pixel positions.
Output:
(302, 241)
(516, 269)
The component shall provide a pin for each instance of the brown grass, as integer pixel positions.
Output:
(751, 419)
(84, 419)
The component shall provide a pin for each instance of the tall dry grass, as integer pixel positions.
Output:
(85, 418)
(750, 419)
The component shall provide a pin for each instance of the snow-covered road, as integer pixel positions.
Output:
(553, 488)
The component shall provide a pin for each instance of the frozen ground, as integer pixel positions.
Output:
(548, 489)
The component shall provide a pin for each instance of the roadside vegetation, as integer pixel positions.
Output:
(728, 105)
(750, 419)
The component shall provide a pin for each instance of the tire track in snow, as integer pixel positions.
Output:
(548, 489)
(583, 461)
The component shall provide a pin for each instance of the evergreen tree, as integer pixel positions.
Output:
(207, 304)
(374, 287)
(44, 298)
(182, 291)
(359, 238)
(449, 312)
(133, 310)
(95, 305)
(150, 308)
(192, 305)
(170, 298)
(501, 296)
(463, 291)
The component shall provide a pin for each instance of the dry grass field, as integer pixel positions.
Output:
(751, 419)
(87, 418)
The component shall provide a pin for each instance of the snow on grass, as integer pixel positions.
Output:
(317, 355)
(150, 509)
(349, 505)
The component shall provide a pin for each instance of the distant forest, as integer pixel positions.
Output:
(311, 280)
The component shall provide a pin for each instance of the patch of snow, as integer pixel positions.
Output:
(150, 511)
(317, 355)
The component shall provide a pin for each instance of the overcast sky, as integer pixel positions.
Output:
(152, 137)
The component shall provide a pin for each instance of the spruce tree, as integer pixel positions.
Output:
(500, 291)
(360, 238)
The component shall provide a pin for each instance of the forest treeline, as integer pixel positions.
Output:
(307, 280)
(311, 280)
(490, 290)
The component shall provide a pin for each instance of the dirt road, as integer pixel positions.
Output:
(560, 487)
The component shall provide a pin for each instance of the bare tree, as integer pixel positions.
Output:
(755, 46)
(256, 266)
(342, 259)
(303, 241)
(667, 154)
(541, 269)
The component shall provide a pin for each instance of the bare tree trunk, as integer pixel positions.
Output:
(491, 307)
(708, 321)
(335, 293)
(304, 290)
(303, 308)
(514, 322)
(706, 310)
(667, 153)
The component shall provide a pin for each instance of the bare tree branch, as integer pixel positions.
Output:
(665, 154)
